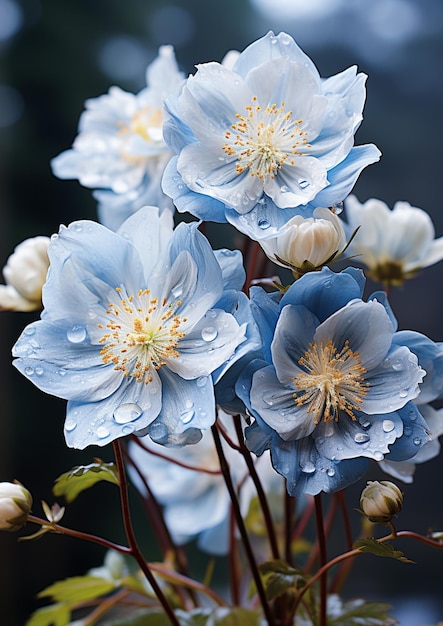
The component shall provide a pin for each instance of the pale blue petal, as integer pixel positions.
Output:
(265, 310)
(231, 264)
(415, 434)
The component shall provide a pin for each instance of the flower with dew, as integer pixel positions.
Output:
(264, 140)
(133, 328)
(25, 274)
(15, 506)
(306, 244)
(430, 358)
(120, 148)
(188, 483)
(392, 244)
(381, 501)
(334, 389)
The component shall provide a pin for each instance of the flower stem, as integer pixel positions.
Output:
(241, 526)
(135, 550)
(321, 538)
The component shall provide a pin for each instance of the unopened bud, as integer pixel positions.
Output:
(381, 501)
(15, 505)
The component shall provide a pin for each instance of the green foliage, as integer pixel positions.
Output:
(83, 477)
(361, 613)
(148, 617)
(78, 589)
(280, 578)
(381, 549)
(54, 615)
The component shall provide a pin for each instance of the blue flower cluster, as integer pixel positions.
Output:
(145, 328)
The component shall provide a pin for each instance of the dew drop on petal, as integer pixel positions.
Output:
(403, 393)
(102, 432)
(416, 441)
(378, 456)
(76, 334)
(407, 431)
(284, 189)
(331, 472)
(201, 381)
(365, 424)
(157, 432)
(209, 333)
(263, 223)
(308, 468)
(29, 330)
(388, 426)
(39, 371)
(128, 429)
(70, 425)
(189, 404)
(303, 184)
(187, 416)
(361, 437)
(177, 290)
(127, 412)
(29, 371)
(397, 366)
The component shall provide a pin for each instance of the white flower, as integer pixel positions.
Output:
(380, 501)
(304, 244)
(15, 505)
(393, 244)
(25, 274)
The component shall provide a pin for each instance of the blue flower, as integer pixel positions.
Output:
(132, 329)
(265, 140)
(334, 389)
(120, 148)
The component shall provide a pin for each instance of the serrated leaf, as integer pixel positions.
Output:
(281, 578)
(83, 477)
(143, 617)
(54, 615)
(381, 549)
(78, 589)
(361, 613)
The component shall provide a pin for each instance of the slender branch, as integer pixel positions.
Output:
(190, 583)
(321, 538)
(259, 488)
(234, 581)
(289, 504)
(241, 526)
(135, 550)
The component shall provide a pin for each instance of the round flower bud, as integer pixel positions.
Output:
(381, 501)
(306, 244)
(15, 505)
(25, 274)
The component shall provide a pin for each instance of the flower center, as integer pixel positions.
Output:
(142, 334)
(333, 381)
(147, 122)
(264, 139)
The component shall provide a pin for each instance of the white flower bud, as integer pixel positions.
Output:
(381, 501)
(15, 505)
(25, 274)
(306, 244)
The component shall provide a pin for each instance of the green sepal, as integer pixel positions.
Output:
(78, 589)
(381, 549)
(54, 615)
(83, 477)
(280, 578)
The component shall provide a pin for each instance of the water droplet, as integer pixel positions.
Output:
(403, 393)
(285, 39)
(128, 429)
(177, 291)
(365, 424)
(189, 404)
(76, 334)
(331, 472)
(263, 223)
(39, 371)
(338, 208)
(284, 189)
(407, 431)
(397, 366)
(187, 416)
(61, 372)
(102, 432)
(209, 333)
(29, 371)
(388, 426)
(127, 412)
(308, 468)
(378, 456)
(201, 381)
(77, 227)
(273, 40)
(211, 313)
(416, 441)
(29, 330)
(158, 431)
(361, 437)
(70, 425)
(303, 184)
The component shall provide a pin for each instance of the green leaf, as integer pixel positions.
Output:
(280, 578)
(236, 617)
(54, 615)
(78, 589)
(361, 613)
(381, 549)
(196, 617)
(83, 477)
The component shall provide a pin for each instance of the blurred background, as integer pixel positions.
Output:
(54, 55)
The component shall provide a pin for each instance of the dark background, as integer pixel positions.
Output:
(53, 56)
